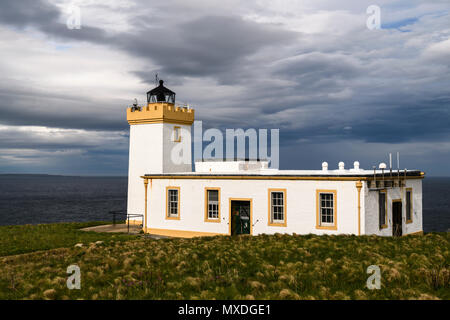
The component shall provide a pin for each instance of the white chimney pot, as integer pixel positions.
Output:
(324, 166)
(341, 166)
(356, 165)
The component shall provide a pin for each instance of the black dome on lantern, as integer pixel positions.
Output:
(160, 94)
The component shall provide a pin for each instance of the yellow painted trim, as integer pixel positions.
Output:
(182, 233)
(418, 233)
(206, 205)
(385, 225)
(260, 177)
(161, 113)
(272, 224)
(133, 222)
(159, 121)
(251, 213)
(318, 226)
(411, 209)
(145, 210)
(359, 186)
(174, 134)
(167, 203)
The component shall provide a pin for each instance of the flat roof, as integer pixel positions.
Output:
(286, 174)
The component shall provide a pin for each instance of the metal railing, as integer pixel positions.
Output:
(115, 213)
(131, 215)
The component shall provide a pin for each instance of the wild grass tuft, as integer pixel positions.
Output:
(259, 267)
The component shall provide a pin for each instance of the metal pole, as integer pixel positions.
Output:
(390, 164)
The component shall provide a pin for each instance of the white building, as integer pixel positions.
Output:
(245, 196)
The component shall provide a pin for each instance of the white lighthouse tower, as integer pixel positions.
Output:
(160, 142)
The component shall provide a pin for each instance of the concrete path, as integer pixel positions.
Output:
(121, 228)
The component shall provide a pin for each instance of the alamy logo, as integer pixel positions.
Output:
(374, 20)
(374, 281)
(257, 147)
(74, 19)
(74, 280)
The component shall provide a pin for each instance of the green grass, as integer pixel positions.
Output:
(29, 238)
(244, 267)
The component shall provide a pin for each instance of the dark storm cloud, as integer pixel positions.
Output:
(18, 107)
(206, 46)
(27, 12)
(381, 86)
(45, 17)
(316, 66)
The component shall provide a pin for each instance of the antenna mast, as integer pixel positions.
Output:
(390, 163)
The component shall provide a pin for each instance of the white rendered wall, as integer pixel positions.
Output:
(150, 152)
(371, 214)
(301, 205)
(174, 161)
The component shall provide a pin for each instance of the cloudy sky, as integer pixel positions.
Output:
(337, 90)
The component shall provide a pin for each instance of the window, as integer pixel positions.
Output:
(326, 209)
(409, 205)
(277, 207)
(173, 203)
(382, 206)
(176, 134)
(212, 203)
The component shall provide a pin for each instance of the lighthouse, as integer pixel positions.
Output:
(245, 196)
(158, 131)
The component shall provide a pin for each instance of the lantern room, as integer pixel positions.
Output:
(161, 94)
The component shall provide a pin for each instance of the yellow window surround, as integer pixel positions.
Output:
(168, 217)
(207, 219)
(318, 206)
(176, 134)
(269, 221)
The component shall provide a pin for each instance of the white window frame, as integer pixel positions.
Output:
(280, 205)
(172, 203)
(213, 213)
(321, 208)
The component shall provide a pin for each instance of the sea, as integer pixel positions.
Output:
(36, 199)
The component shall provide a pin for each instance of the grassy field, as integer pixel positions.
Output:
(259, 267)
(30, 238)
